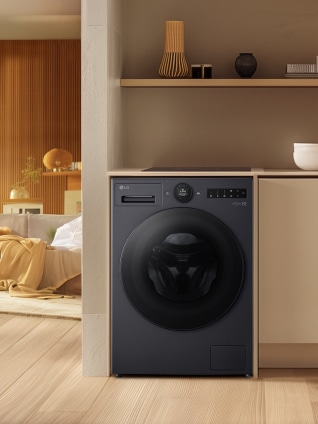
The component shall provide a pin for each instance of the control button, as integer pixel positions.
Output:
(183, 192)
(213, 193)
(227, 193)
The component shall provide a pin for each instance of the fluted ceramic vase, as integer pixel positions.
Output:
(174, 64)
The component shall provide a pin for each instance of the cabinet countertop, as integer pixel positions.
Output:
(257, 172)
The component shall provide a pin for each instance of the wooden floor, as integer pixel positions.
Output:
(41, 383)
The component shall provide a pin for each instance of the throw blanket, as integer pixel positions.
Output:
(21, 267)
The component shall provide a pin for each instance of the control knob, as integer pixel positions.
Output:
(183, 192)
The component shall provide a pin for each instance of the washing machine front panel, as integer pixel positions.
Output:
(182, 276)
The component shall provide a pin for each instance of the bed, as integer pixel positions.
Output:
(42, 270)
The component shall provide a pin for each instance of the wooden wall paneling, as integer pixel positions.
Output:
(58, 185)
(40, 109)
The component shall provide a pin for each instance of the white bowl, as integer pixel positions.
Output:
(305, 146)
(306, 160)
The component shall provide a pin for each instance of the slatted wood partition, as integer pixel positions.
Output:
(40, 109)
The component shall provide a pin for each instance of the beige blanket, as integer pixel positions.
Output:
(22, 263)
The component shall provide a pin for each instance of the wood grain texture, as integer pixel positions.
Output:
(40, 109)
(219, 82)
(41, 382)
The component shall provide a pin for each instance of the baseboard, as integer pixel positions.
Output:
(288, 355)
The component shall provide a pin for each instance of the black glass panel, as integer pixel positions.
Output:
(182, 268)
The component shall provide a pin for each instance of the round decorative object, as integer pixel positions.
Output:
(174, 64)
(57, 159)
(19, 193)
(245, 65)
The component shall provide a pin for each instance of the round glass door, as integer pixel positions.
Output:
(182, 268)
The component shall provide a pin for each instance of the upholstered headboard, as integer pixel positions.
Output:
(41, 226)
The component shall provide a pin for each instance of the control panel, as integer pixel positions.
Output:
(227, 193)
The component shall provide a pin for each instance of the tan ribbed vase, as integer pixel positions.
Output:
(174, 64)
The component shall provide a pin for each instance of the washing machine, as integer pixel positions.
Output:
(181, 276)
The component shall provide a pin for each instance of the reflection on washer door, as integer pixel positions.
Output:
(182, 268)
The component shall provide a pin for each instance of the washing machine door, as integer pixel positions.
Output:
(182, 268)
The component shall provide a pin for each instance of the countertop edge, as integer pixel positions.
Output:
(255, 172)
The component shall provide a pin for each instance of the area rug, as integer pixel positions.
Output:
(64, 308)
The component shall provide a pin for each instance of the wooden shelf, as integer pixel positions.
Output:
(23, 200)
(220, 83)
(62, 174)
(74, 178)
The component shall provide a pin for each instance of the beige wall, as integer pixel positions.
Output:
(276, 31)
(40, 20)
(252, 127)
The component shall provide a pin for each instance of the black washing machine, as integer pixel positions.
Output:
(181, 276)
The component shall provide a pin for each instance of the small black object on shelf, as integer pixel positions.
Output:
(245, 65)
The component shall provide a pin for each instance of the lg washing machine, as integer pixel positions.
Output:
(181, 276)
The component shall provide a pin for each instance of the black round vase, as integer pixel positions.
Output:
(245, 65)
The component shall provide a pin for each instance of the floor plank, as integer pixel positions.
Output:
(287, 403)
(178, 400)
(41, 382)
(4, 319)
(78, 396)
(314, 406)
(29, 383)
(10, 331)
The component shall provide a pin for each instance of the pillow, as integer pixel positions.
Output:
(69, 234)
(44, 226)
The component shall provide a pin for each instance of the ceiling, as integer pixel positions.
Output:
(40, 19)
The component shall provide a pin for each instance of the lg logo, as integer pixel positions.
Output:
(124, 187)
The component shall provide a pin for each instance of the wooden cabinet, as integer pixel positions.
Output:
(73, 178)
(29, 205)
(288, 260)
